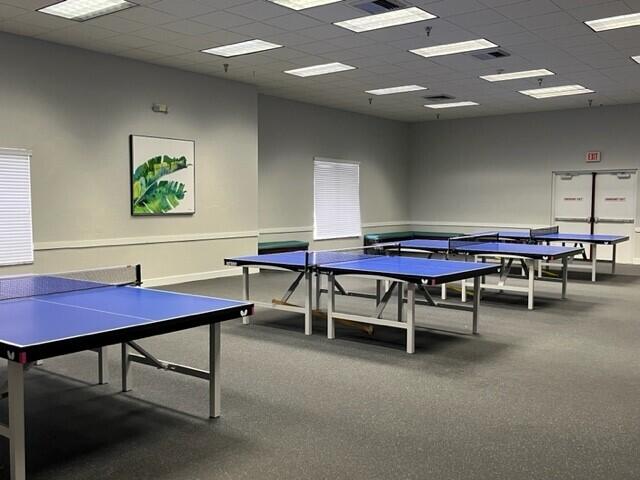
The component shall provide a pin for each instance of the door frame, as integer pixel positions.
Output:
(590, 172)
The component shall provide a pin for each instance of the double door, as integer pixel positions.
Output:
(597, 202)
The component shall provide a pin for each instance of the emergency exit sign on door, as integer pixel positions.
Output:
(593, 157)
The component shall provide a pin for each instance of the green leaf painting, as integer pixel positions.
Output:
(151, 195)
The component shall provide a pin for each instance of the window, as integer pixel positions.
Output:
(16, 239)
(336, 199)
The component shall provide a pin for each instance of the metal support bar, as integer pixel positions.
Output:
(411, 316)
(429, 299)
(565, 276)
(476, 304)
(125, 365)
(245, 291)
(331, 297)
(378, 292)
(531, 266)
(214, 370)
(318, 279)
(292, 288)
(172, 367)
(103, 365)
(613, 259)
(340, 288)
(382, 304)
(308, 301)
(400, 292)
(17, 453)
(594, 261)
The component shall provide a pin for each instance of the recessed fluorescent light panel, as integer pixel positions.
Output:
(302, 4)
(319, 69)
(636, 58)
(242, 48)
(81, 10)
(390, 90)
(559, 91)
(452, 105)
(500, 77)
(451, 48)
(387, 19)
(609, 23)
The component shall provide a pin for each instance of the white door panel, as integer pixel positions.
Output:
(572, 198)
(615, 211)
(616, 196)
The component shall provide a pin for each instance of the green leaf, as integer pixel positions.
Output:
(152, 196)
(160, 198)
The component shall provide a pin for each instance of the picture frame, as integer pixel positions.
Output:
(162, 176)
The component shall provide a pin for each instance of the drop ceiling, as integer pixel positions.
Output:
(535, 33)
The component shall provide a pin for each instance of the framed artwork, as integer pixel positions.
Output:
(162, 176)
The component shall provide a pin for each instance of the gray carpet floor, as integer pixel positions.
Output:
(552, 393)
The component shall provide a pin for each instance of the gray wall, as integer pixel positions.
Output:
(291, 134)
(75, 110)
(507, 161)
(498, 170)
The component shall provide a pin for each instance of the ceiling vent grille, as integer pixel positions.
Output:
(379, 6)
(436, 98)
(491, 54)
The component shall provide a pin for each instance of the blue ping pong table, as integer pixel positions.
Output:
(403, 275)
(487, 245)
(549, 235)
(43, 316)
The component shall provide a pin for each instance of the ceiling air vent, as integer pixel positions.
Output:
(436, 98)
(379, 6)
(491, 54)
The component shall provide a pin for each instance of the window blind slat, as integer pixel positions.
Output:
(16, 235)
(336, 199)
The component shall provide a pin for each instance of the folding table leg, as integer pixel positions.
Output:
(214, 370)
(476, 303)
(245, 291)
(308, 301)
(318, 279)
(531, 264)
(463, 295)
(594, 261)
(400, 291)
(379, 292)
(411, 315)
(443, 291)
(613, 260)
(103, 366)
(126, 367)
(565, 276)
(331, 297)
(17, 454)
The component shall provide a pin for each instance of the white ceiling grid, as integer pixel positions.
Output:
(537, 33)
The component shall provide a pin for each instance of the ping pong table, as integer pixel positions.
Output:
(43, 316)
(393, 273)
(549, 235)
(488, 245)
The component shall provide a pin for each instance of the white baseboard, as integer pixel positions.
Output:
(636, 261)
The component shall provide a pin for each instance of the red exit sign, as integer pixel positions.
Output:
(593, 157)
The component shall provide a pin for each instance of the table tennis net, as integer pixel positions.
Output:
(325, 257)
(541, 232)
(24, 286)
(469, 241)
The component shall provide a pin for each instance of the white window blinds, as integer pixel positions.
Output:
(16, 239)
(336, 199)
